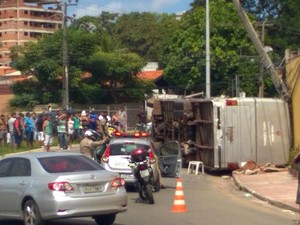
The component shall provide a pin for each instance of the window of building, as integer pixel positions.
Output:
(25, 23)
(26, 12)
(25, 33)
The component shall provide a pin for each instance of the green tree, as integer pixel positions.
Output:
(95, 53)
(185, 53)
(116, 72)
(281, 18)
(43, 60)
(145, 33)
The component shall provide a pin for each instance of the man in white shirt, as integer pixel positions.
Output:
(10, 123)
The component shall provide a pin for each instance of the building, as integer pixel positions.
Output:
(26, 20)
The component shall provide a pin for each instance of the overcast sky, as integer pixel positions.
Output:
(94, 7)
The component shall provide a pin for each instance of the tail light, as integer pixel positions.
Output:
(106, 154)
(117, 182)
(60, 186)
(231, 103)
(151, 157)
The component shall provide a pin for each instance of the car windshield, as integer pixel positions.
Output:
(71, 163)
(126, 148)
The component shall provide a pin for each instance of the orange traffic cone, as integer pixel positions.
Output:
(179, 202)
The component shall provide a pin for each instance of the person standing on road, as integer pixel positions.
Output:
(18, 130)
(11, 129)
(123, 119)
(104, 119)
(70, 122)
(33, 118)
(115, 120)
(88, 144)
(3, 130)
(29, 129)
(48, 132)
(76, 133)
(62, 131)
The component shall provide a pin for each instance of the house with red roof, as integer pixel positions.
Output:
(151, 72)
(7, 77)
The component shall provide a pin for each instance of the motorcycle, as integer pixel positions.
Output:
(143, 173)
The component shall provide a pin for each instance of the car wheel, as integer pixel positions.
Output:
(31, 214)
(105, 219)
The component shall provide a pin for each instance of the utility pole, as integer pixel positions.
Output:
(65, 90)
(261, 68)
(207, 51)
(266, 60)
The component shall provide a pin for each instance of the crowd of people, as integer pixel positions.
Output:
(66, 126)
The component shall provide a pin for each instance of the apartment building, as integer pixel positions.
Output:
(26, 20)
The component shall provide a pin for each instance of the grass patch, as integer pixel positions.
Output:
(23, 148)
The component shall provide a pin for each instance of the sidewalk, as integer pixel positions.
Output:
(276, 188)
(52, 149)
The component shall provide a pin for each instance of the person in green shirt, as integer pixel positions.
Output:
(76, 133)
(48, 132)
(62, 131)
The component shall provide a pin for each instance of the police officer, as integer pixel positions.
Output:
(88, 144)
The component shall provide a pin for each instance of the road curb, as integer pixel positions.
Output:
(278, 204)
(52, 149)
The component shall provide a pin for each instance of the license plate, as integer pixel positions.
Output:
(144, 173)
(92, 188)
(120, 164)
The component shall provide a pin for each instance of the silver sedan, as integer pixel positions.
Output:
(35, 187)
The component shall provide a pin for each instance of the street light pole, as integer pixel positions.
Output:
(65, 91)
(65, 96)
(207, 51)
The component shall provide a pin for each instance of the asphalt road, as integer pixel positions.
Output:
(210, 200)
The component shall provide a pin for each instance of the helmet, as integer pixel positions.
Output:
(138, 155)
(90, 135)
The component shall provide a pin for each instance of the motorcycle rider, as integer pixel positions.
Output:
(88, 144)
